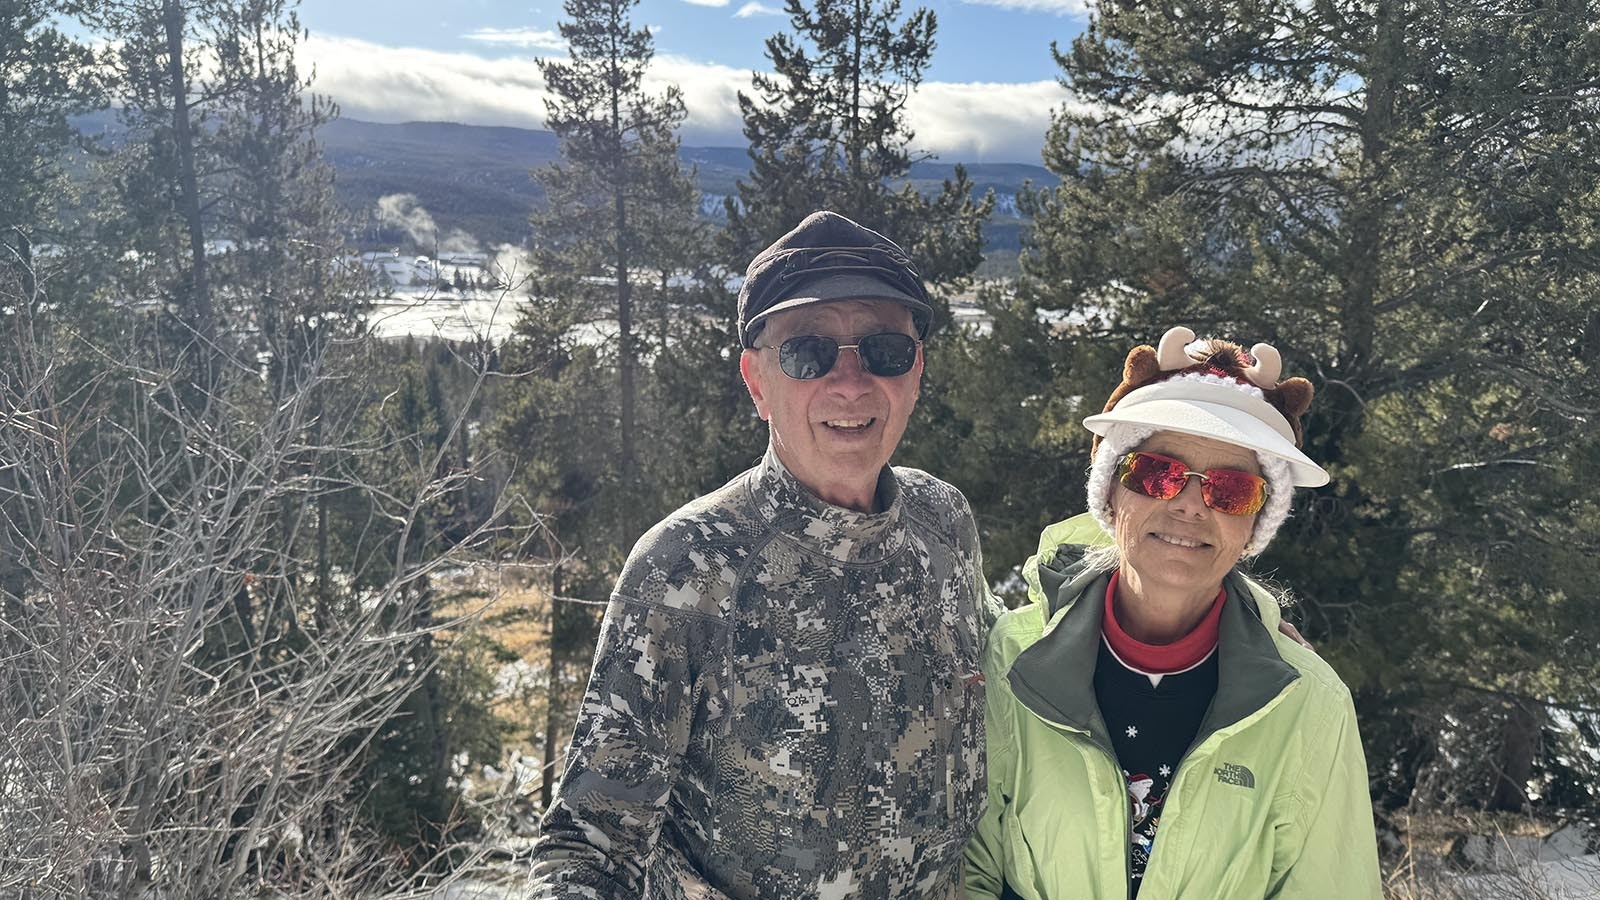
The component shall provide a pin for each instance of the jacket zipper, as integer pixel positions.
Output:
(1172, 788)
(1178, 771)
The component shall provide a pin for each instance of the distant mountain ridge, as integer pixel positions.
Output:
(478, 178)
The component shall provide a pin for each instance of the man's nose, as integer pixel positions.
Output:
(849, 376)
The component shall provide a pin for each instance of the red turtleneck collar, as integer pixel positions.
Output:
(1161, 659)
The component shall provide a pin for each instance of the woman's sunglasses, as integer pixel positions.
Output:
(809, 356)
(1229, 491)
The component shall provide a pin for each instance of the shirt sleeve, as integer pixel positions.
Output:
(602, 829)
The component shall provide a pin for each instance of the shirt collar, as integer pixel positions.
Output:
(840, 534)
(1161, 659)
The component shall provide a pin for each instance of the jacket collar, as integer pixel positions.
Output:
(840, 534)
(1054, 677)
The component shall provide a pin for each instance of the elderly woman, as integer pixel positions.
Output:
(1150, 733)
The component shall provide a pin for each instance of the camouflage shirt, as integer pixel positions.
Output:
(785, 703)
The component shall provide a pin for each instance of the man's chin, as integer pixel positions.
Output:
(861, 467)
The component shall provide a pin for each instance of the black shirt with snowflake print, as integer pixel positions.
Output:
(1152, 726)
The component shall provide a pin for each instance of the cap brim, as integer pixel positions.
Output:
(1225, 421)
(846, 287)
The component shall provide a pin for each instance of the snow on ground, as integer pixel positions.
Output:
(1573, 878)
(473, 315)
(481, 890)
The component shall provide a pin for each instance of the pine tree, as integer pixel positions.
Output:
(827, 130)
(277, 205)
(48, 78)
(166, 175)
(617, 273)
(611, 204)
(1402, 196)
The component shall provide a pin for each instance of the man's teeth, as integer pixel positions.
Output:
(848, 423)
(1178, 541)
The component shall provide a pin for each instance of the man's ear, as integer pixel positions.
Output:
(750, 370)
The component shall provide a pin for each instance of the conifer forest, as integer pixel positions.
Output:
(294, 605)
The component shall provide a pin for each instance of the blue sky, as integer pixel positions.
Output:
(986, 97)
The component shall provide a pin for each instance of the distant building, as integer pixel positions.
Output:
(479, 260)
(390, 269)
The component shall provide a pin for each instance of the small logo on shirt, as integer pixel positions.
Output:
(1229, 773)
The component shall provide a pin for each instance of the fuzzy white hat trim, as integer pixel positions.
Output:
(1121, 437)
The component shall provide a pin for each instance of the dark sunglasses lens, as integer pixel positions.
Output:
(1152, 476)
(807, 356)
(1234, 492)
(889, 354)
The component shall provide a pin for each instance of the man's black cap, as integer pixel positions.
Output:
(829, 257)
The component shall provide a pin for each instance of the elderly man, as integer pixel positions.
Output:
(786, 699)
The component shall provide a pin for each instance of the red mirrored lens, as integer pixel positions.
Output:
(1230, 491)
(1153, 476)
(1233, 492)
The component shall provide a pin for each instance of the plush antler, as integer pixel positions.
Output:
(1268, 366)
(1170, 352)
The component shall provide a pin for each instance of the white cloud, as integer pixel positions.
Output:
(984, 121)
(754, 8)
(711, 95)
(708, 2)
(403, 84)
(1058, 7)
(958, 121)
(533, 38)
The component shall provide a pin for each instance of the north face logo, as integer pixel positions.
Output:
(1228, 773)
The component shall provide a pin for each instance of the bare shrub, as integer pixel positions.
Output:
(187, 691)
(1508, 864)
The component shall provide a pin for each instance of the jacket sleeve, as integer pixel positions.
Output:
(601, 831)
(1338, 854)
(983, 872)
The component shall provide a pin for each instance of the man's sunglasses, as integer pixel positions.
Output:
(886, 355)
(1229, 491)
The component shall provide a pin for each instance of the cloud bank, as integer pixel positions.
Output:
(532, 38)
(1078, 8)
(753, 8)
(971, 122)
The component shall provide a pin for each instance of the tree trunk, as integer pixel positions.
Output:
(1362, 263)
(201, 317)
(324, 612)
(858, 178)
(625, 360)
(1519, 744)
(29, 279)
(552, 697)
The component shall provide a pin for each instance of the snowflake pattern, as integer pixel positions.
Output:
(1133, 731)
(1166, 771)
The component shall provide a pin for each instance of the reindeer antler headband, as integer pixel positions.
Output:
(1214, 389)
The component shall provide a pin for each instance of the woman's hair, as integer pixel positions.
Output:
(1104, 558)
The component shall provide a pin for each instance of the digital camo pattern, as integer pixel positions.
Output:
(785, 703)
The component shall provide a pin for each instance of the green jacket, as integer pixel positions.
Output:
(1270, 802)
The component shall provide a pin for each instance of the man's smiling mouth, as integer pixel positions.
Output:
(849, 425)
